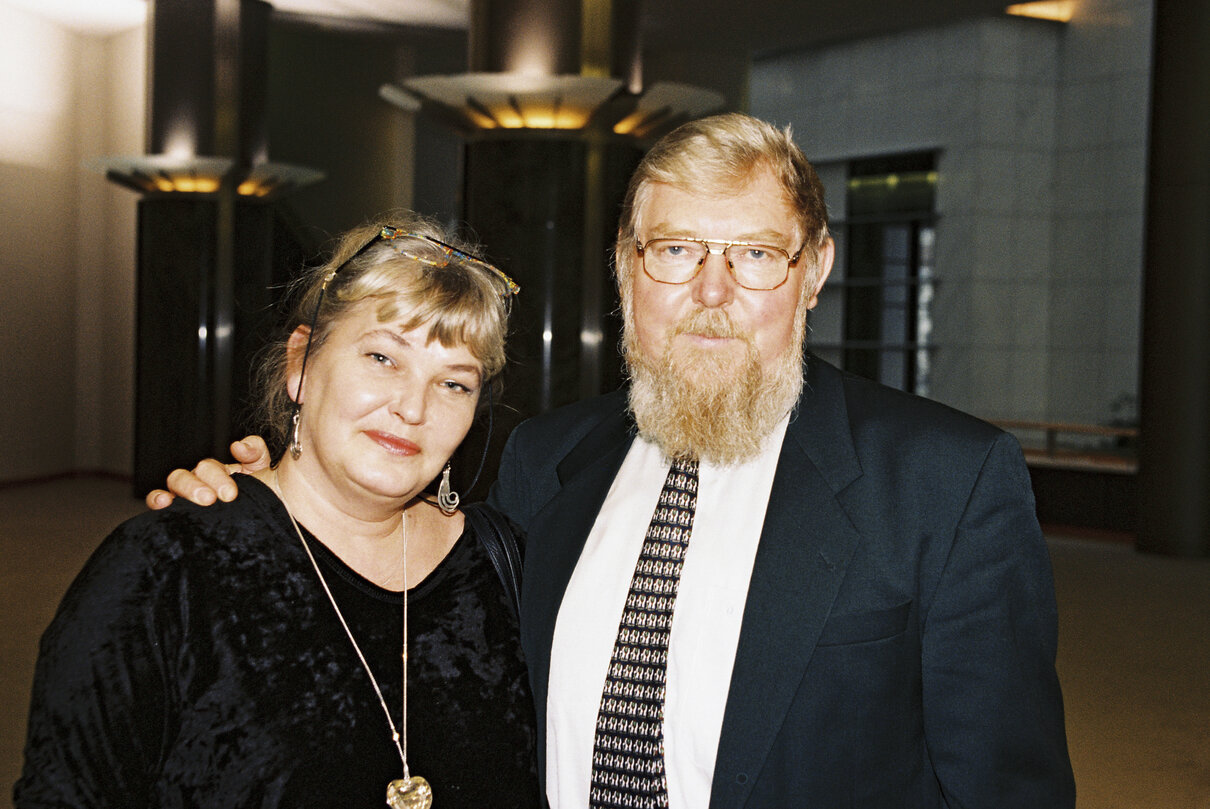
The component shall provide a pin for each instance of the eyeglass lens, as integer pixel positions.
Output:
(754, 266)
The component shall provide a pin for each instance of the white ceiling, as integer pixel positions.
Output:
(104, 17)
(757, 26)
(97, 17)
(445, 13)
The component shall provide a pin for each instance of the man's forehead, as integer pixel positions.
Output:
(751, 211)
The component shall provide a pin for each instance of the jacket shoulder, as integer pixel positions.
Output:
(870, 405)
(528, 474)
(851, 426)
(552, 435)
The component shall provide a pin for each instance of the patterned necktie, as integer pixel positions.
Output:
(628, 751)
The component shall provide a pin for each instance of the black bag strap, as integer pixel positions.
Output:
(500, 542)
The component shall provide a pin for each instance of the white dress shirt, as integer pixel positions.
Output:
(731, 506)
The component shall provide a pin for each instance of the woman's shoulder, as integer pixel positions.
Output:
(487, 523)
(483, 508)
(503, 542)
(183, 519)
(226, 550)
(183, 531)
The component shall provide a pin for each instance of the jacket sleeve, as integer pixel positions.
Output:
(992, 706)
(96, 723)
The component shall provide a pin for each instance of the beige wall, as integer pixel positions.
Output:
(67, 263)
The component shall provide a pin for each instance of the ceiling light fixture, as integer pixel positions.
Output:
(159, 175)
(479, 104)
(1056, 10)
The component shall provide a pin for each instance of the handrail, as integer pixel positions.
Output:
(1067, 427)
(1052, 455)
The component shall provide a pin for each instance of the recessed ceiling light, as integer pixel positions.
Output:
(1058, 10)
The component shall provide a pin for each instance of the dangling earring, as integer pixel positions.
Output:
(295, 445)
(447, 498)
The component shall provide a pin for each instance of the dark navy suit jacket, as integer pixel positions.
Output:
(898, 642)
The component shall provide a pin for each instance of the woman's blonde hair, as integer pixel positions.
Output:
(410, 267)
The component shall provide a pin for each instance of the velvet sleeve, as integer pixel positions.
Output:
(97, 721)
(992, 707)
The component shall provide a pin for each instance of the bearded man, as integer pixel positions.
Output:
(864, 613)
(843, 598)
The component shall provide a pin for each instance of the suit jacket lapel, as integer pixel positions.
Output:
(563, 525)
(805, 546)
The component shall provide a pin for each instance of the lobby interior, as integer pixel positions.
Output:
(1048, 184)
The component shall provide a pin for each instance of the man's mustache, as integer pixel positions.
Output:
(709, 323)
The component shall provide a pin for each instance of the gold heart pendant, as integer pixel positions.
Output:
(409, 793)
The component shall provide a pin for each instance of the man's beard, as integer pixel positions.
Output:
(710, 404)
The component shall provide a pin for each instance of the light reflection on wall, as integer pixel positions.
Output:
(181, 142)
(34, 104)
(531, 58)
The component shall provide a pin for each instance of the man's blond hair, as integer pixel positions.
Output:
(722, 153)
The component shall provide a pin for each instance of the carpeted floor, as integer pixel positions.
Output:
(1134, 652)
(1134, 660)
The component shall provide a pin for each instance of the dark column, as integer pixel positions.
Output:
(174, 408)
(197, 330)
(545, 204)
(1174, 464)
(181, 77)
(205, 259)
(546, 208)
(529, 201)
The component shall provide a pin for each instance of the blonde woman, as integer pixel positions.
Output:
(253, 653)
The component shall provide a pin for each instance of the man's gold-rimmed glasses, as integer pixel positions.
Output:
(753, 265)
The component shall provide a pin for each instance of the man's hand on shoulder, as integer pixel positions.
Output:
(212, 480)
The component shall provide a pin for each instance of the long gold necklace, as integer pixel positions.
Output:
(411, 791)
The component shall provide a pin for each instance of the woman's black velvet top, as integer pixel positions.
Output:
(196, 662)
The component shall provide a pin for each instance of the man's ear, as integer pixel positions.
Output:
(823, 268)
(296, 349)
